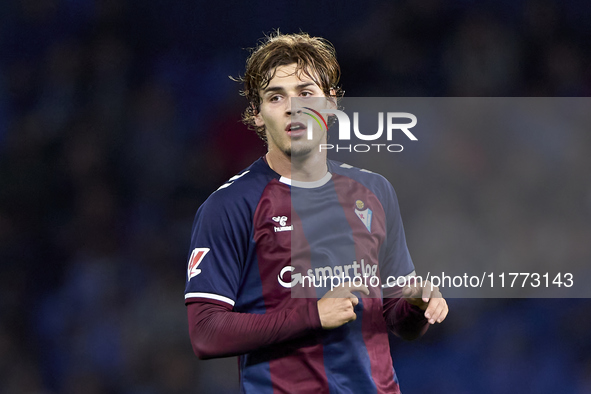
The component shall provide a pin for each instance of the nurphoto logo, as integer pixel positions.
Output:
(392, 120)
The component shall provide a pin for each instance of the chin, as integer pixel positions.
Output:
(299, 152)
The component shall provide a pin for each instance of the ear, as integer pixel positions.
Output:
(332, 99)
(258, 119)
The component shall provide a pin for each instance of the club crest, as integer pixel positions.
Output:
(363, 214)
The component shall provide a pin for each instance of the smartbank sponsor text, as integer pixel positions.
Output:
(335, 275)
(357, 273)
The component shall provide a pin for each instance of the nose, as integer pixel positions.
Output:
(292, 107)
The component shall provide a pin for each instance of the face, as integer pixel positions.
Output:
(285, 128)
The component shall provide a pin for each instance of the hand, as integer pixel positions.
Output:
(431, 301)
(336, 307)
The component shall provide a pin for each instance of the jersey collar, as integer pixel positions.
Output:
(307, 185)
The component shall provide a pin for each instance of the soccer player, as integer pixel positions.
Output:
(294, 215)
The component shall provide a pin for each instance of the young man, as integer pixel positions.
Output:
(253, 238)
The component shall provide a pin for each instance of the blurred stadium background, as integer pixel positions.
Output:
(117, 120)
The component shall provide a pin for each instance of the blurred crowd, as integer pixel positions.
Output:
(118, 119)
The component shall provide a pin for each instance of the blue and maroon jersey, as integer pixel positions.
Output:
(260, 234)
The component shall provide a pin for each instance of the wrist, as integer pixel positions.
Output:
(314, 314)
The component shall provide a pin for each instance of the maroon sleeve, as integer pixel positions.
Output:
(403, 319)
(217, 331)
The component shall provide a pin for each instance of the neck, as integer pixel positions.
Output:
(307, 168)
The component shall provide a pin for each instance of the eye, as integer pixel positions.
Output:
(274, 98)
(306, 93)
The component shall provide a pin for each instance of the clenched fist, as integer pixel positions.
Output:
(336, 307)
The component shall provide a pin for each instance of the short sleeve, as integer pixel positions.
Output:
(219, 245)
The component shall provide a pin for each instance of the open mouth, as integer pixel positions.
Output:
(295, 127)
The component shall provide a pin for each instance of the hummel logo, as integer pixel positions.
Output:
(282, 220)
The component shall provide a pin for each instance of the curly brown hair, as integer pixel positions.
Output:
(315, 57)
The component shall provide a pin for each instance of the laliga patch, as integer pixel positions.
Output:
(196, 257)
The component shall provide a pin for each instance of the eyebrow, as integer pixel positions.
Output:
(280, 88)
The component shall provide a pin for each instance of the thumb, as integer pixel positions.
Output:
(411, 291)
